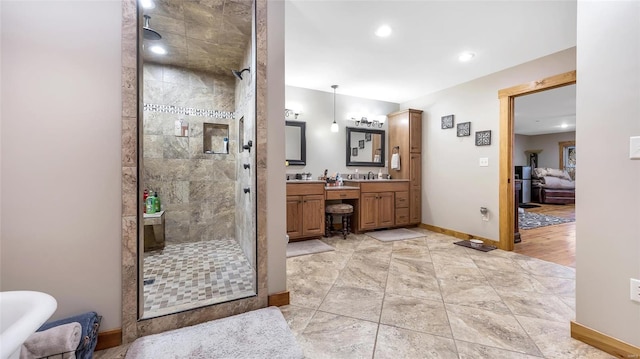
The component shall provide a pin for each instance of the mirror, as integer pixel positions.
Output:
(296, 143)
(365, 147)
(199, 239)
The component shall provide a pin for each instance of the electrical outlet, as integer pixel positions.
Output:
(635, 290)
(484, 161)
(634, 148)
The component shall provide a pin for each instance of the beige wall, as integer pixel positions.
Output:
(452, 198)
(61, 135)
(607, 229)
(520, 144)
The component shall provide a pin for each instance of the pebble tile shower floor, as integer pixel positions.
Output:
(188, 275)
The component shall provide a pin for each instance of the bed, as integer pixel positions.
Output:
(552, 186)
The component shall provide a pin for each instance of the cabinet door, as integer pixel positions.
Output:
(294, 216)
(415, 170)
(415, 205)
(415, 132)
(386, 209)
(313, 215)
(368, 210)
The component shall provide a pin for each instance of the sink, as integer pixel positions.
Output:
(21, 314)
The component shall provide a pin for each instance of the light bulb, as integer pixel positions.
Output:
(157, 49)
(334, 127)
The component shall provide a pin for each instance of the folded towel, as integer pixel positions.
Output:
(395, 161)
(60, 339)
(90, 322)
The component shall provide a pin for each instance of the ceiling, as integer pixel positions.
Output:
(209, 35)
(546, 112)
(333, 42)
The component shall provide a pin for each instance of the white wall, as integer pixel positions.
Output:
(61, 173)
(325, 149)
(276, 189)
(607, 212)
(549, 157)
(454, 186)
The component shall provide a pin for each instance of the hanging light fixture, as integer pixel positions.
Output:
(334, 125)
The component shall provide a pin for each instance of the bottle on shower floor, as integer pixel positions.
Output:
(157, 202)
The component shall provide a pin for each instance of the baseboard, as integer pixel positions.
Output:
(109, 339)
(461, 235)
(608, 344)
(279, 299)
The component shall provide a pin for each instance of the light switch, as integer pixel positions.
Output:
(484, 161)
(634, 148)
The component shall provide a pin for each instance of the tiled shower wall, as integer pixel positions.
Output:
(197, 190)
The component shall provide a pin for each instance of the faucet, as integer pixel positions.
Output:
(370, 175)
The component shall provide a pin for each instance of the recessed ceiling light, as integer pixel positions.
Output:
(383, 31)
(157, 49)
(147, 4)
(466, 56)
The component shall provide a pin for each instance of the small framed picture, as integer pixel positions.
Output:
(367, 136)
(361, 144)
(354, 152)
(464, 129)
(447, 121)
(483, 138)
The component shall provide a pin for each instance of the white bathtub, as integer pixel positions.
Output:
(21, 314)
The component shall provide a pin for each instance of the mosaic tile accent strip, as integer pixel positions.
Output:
(189, 275)
(227, 115)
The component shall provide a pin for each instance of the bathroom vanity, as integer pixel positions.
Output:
(305, 209)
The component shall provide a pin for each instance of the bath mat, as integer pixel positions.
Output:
(262, 333)
(302, 248)
(530, 220)
(395, 234)
(482, 248)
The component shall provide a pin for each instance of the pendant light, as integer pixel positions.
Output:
(334, 125)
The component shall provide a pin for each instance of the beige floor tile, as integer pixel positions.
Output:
(542, 268)
(514, 281)
(420, 253)
(554, 340)
(307, 292)
(488, 328)
(354, 302)
(297, 317)
(417, 314)
(112, 353)
(413, 278)
(560, 286)
(394, 343)
(365, 272)
(344, 245)
(485, 261)
(536, 305)
(334, 336)
(472, 294)
(468, 350)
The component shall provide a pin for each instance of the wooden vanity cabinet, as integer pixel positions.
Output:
(405, 137)
(383, 204)
(305, 210)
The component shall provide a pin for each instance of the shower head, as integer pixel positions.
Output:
(238, 74)
(149, 33)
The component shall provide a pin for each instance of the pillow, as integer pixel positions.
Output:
(558, 173)
(539, 172)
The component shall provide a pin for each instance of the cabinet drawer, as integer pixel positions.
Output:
(402, 216)
(343, 194)
(402, 199)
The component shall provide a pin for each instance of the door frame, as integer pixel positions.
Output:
(506, 186)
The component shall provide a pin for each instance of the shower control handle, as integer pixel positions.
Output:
(246, 166)
(246, 190)
(248, 146)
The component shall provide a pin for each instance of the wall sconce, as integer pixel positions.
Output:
(365, 122)
(288, 112)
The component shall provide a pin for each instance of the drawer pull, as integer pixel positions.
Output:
(343, 195)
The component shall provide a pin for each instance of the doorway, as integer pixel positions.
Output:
(507, 202)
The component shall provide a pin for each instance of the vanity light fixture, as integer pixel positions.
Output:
(334, 125)
(365, 122)
(288, 112)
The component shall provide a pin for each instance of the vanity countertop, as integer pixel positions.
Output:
(337, 188)
(377, 180)
(294, 181)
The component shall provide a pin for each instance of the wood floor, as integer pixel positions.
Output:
(555, 243)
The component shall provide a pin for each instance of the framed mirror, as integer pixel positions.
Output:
(365, 147)
(296, 143)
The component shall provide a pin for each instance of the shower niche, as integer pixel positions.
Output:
(215, 138)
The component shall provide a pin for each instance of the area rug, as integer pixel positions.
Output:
(394, 234)
(530, 220)
(302, 248)
(262, 333)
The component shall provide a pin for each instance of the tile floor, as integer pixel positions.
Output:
(427, 298)
(188, 275)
